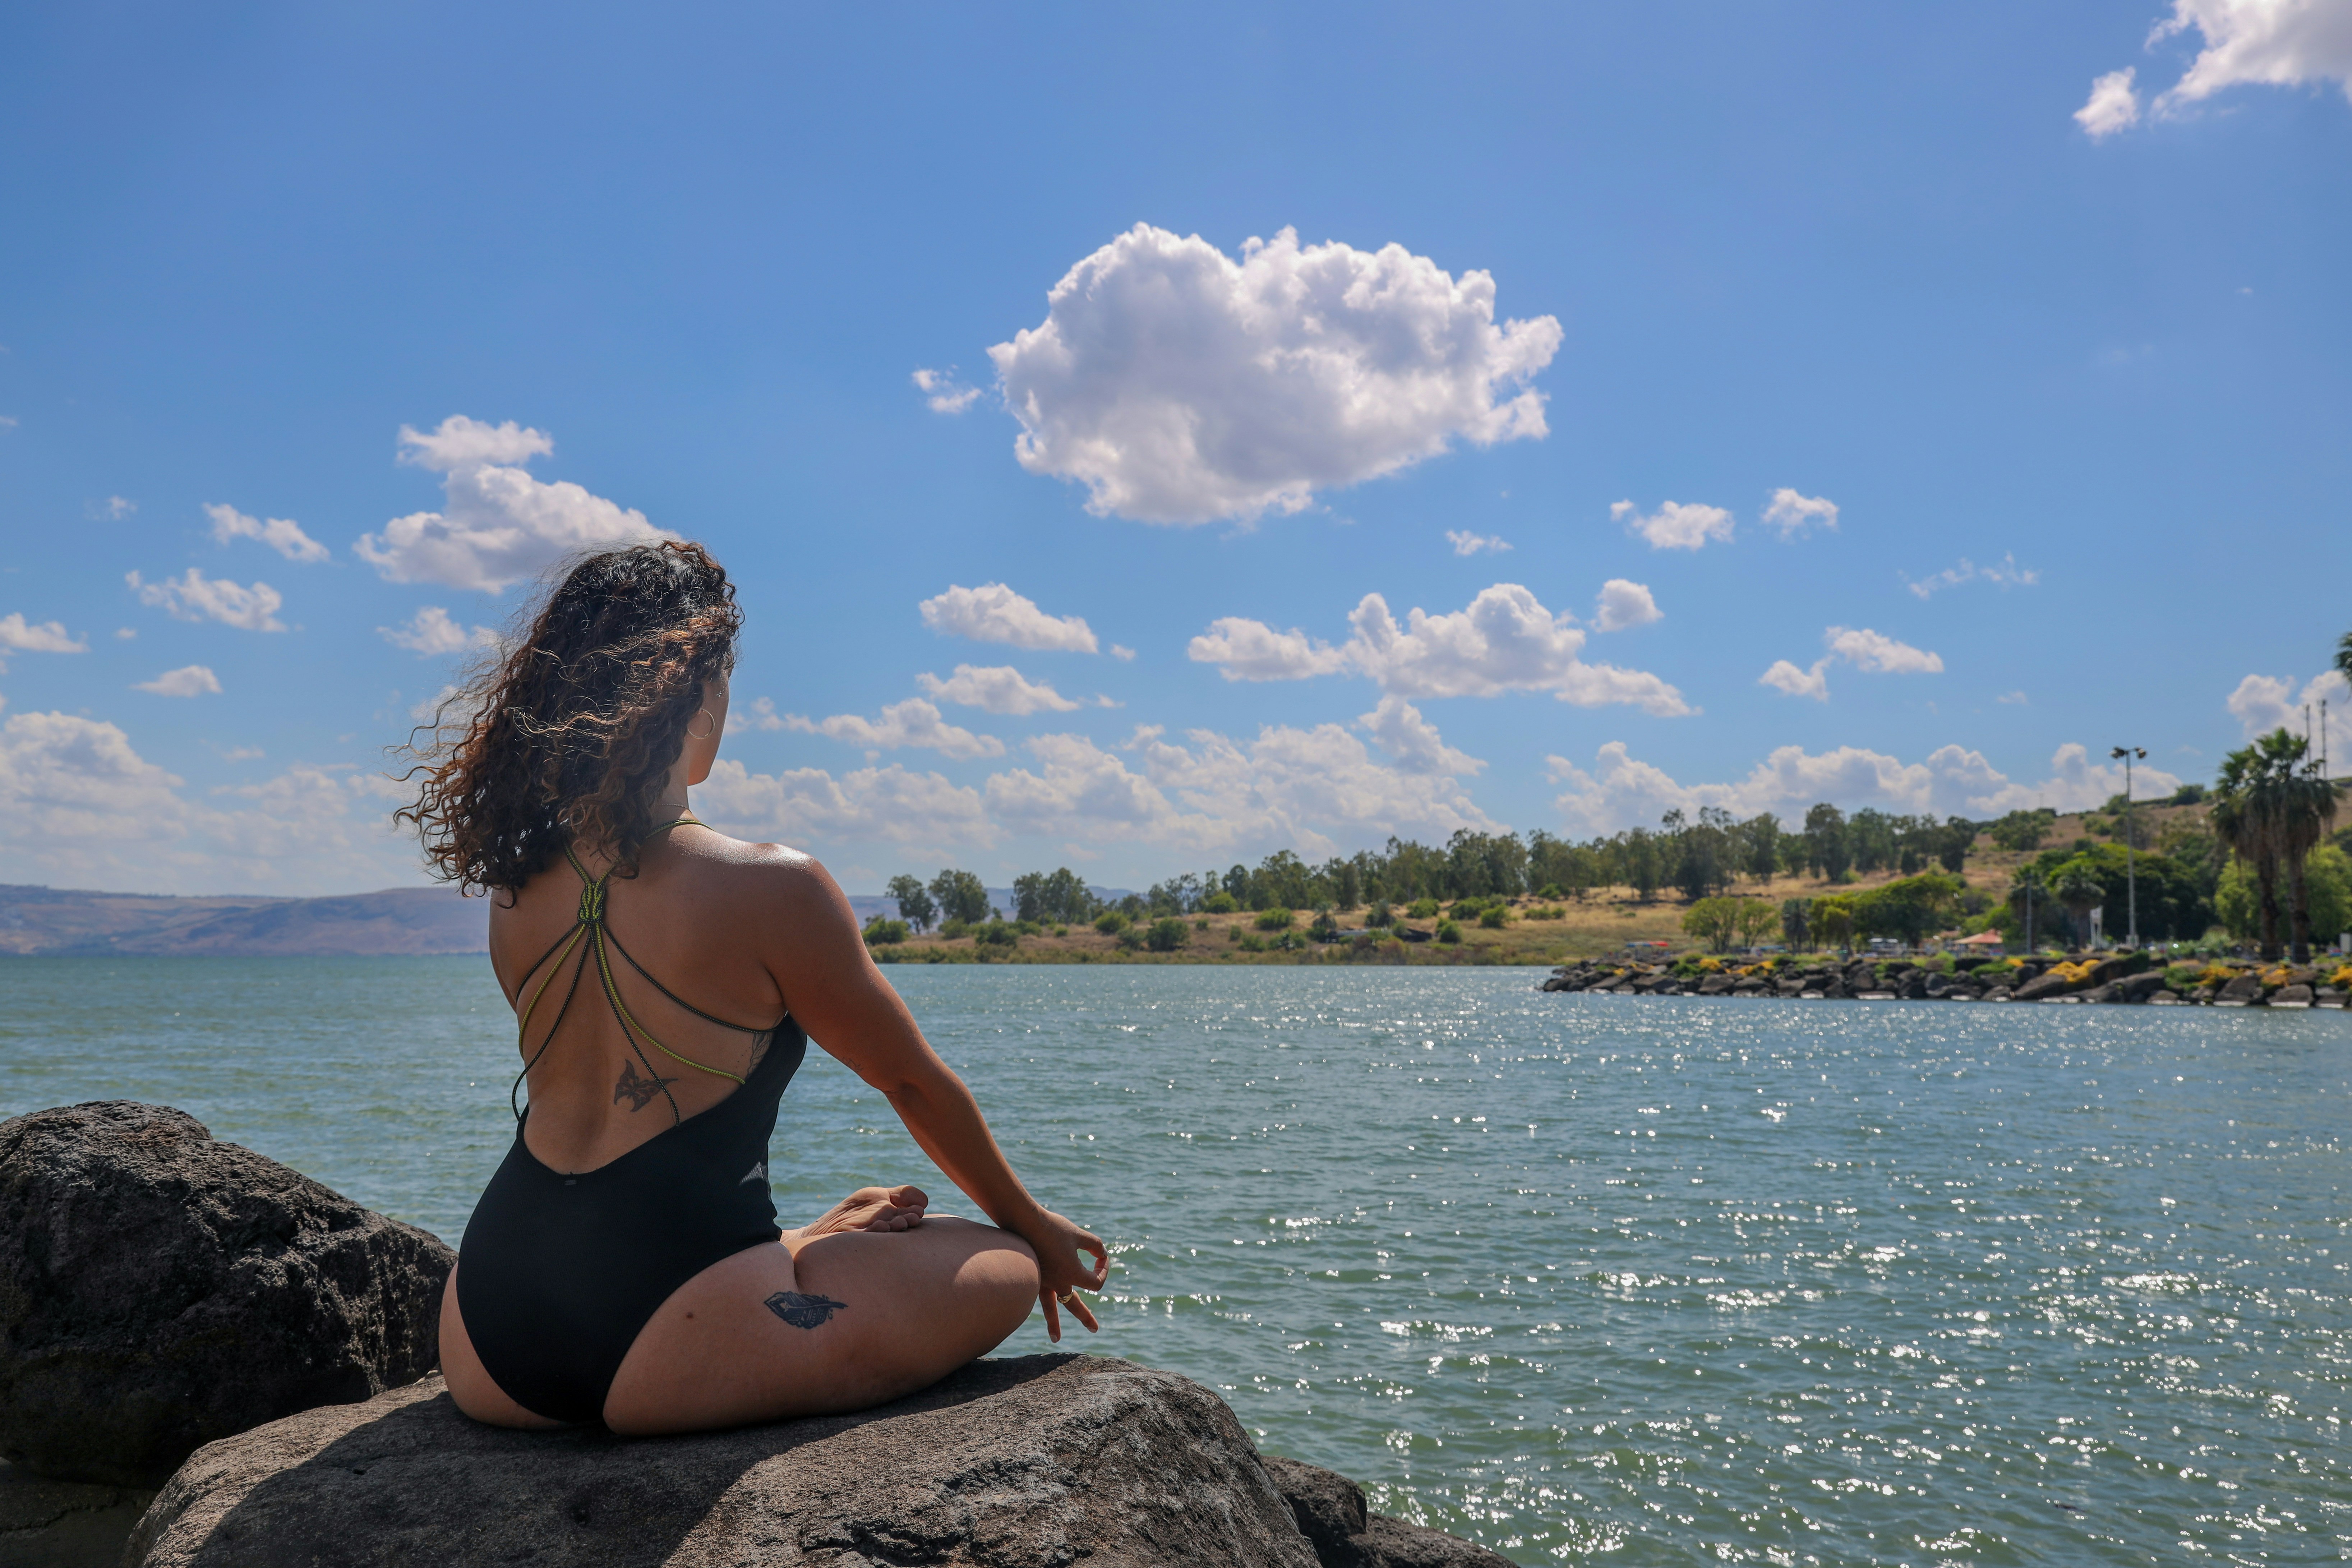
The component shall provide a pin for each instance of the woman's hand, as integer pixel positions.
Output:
(1060, 1268)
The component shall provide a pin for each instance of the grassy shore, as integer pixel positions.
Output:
(1599, 924)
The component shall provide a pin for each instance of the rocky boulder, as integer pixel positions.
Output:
(2292, 996)
(1330, 1511)
(2039, 987)
(2246, 987)
(1026, 1461)
(160, 1289)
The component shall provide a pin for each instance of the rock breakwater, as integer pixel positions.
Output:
(2112, 978)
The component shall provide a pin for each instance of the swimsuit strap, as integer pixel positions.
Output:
(589, 921)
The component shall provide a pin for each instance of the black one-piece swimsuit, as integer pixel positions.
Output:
(558, 1273)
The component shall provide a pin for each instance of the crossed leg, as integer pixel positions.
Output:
(873, 1301)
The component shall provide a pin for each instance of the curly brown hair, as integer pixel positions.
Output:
(565, 735)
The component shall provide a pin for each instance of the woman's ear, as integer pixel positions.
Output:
(703, 734)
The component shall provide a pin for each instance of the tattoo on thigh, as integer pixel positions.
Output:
(804, 1312)
(639, 1089)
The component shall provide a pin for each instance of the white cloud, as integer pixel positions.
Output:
(1467, 543)
(1869, 650)
(1244, 649)
(759, 713)
(994, 613)
(280, 533)
(2263, 702)
(2280, 43)
(994, 688)
(2112, 105)
(1125, 655)
(497, 525)
(1623, 792)
(126, 633)
(1400, 730)
(20, 636)
(1792, 513)
(196, 597)
(1865, 650)
(113, 509)
(1182, 386)
(1310, 790)
(1786, 677)
(188, 680)
(79, 807)
(1674, 526)
(809, 807)
(432, 631)
(1625, 605)
(913, 722)
(2013, 698)
(1505, 640)
(944, 392)
(2004, 574)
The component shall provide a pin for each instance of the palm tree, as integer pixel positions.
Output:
(2081, 893)
(2271, 808)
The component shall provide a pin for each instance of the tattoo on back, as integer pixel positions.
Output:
(637, 1089)
(804, 1312)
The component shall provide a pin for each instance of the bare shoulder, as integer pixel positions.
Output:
(775, 877)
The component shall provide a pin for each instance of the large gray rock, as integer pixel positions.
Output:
(159, 1289)
(1330, 1511)
(1027, 1463)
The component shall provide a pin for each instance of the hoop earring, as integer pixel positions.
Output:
(706, 734)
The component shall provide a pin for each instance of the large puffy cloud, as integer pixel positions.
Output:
(1400, 730)
(196, 597)
(1674, 526)
(809, 807)
(994, 613)
(1792, 513)
(497, 524)
(994, 688)
(1504, 640)
(1312, 790)
(2267, 702)
(1620, 790)
(2276, 43)
(913, 722)
(81, 807)
(2282, 42)
(1182, 386)
(282, 534)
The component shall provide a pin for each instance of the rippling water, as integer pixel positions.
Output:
(1634, 1280)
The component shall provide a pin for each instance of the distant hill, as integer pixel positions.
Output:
(60, 922)
(43, 921)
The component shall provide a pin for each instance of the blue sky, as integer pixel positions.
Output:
(1875, 402)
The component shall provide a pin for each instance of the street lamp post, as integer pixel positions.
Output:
(2131, 833)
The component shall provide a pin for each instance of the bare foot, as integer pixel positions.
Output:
(869, 1208)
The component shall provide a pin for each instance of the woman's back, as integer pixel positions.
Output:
(677, 948)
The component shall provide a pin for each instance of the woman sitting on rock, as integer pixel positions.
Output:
(625, 1263)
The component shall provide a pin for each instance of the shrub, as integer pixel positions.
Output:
(1131, 939)
(1551, 890)
(996, 933)
(1423, 908)
(879, 931)
(1061, 930)
(1274, 919)
(1166, 935)
(1448, 932)
(953, 929)
(1381, 915)
(1219, 903)
(1324, 928)
(1547, 912)
(1494, 918)
(1249, 943)
(1028, 928)
(1110, 923)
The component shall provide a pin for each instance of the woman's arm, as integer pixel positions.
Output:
(819, 961)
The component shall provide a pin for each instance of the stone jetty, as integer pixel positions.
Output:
(2126, 978)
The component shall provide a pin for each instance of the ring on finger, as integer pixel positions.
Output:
(1066, 1298)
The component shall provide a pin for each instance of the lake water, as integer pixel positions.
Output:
(1638, 1280)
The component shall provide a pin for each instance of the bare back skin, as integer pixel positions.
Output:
(749, 933)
